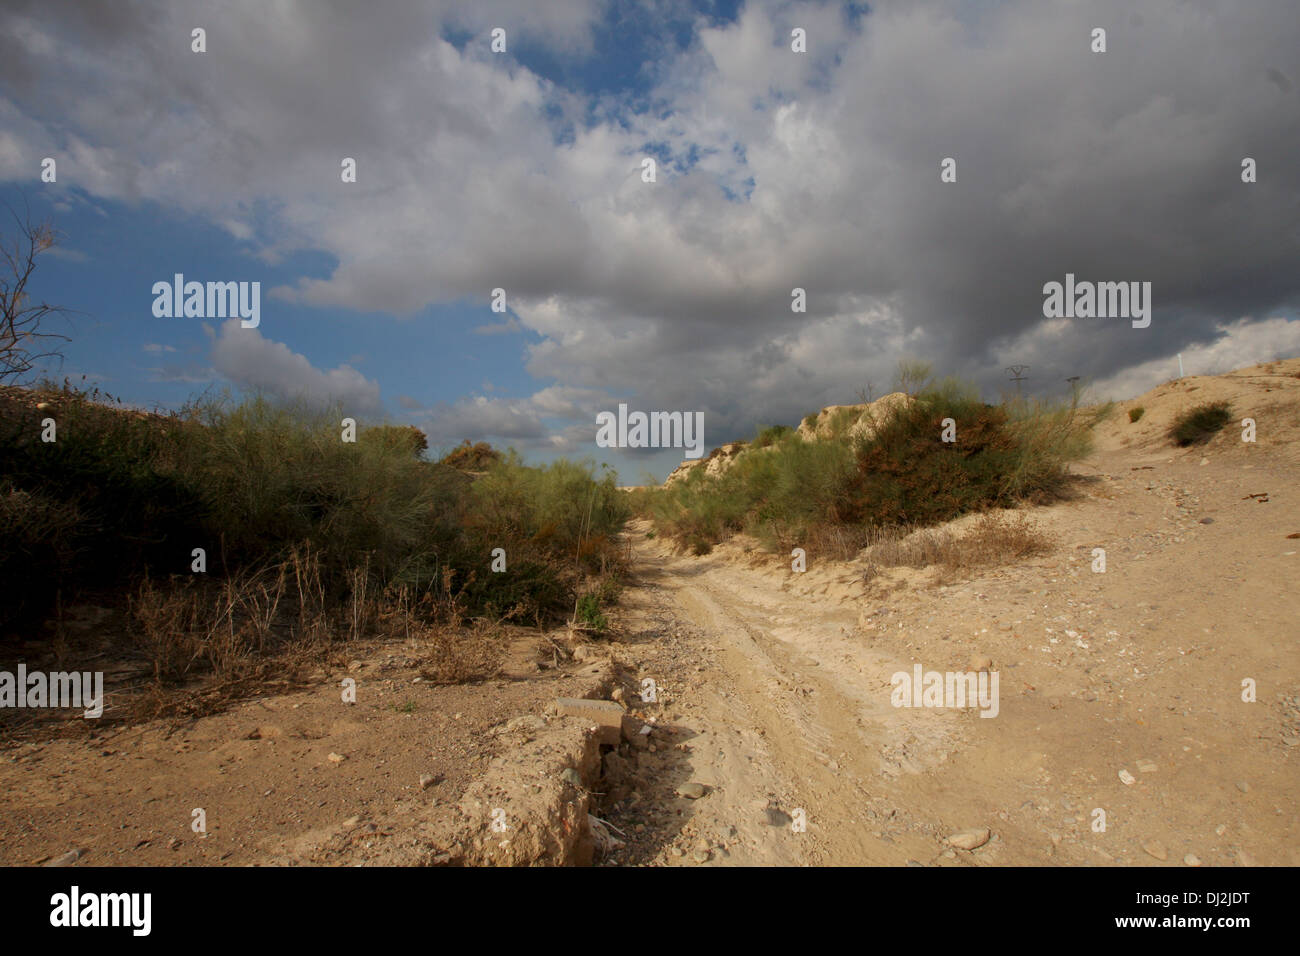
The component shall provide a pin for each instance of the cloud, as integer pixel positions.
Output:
(1240, 343)
(557, 419)
(501, 328)
(778, 170)
(252, 361)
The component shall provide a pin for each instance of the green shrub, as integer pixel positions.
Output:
(1136, 413)
(767, 436)
(589, 612)
(1199, 424)
(122, 495)
(899, 471)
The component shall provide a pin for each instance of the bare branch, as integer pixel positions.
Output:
(22, 322)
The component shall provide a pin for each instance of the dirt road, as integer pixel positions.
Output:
(776, 685)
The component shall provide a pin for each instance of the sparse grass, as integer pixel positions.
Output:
(1135, 414)
(995, 538)
(1199, 424)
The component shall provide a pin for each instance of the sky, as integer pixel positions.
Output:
(522, 170)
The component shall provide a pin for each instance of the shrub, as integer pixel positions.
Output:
(1199, 424)
(590, 614)
(122, 496)
(1135, 413)
(899, 471)
(767, 436)
(467, 457)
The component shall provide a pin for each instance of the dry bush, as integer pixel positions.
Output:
(995, 538)
(211, 642)
(458, 655)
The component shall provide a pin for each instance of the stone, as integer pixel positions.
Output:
(606, 715)
(1156, 849)
(571, 777)
(1192, 859)
(527, 724)
(970, 839)
(1127, 778)
(66, 859)
(692, 790)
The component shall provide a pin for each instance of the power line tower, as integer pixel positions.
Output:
(1015, 371)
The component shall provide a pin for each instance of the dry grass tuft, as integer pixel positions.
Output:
(996, 538)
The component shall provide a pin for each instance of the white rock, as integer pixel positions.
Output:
(969, 839)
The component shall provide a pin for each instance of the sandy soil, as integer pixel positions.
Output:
(267, 772)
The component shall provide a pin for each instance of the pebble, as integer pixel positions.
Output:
(701, 856)
(1243, 786)
(337, 758)
(1192, 859)
(426, 781)
(571, 776)
(1127, 778)
(67, 859)
(970, 839)
(1146, 766)
(1156, 849)
(692, 790)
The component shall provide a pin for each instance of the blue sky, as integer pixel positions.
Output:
(777, 169)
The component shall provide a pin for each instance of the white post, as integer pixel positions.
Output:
(1180, 364)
